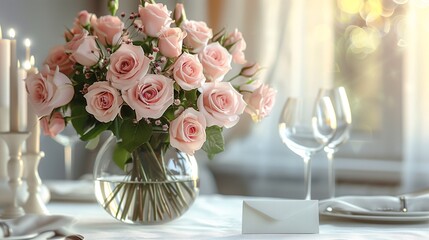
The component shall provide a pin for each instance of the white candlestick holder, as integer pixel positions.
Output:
(34, 203)
(14, 141)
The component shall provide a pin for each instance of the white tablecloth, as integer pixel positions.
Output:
(219, 217)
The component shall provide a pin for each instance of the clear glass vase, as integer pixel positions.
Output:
(157, 184)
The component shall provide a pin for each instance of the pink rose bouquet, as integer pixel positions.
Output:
(152, 71)
(162, 85)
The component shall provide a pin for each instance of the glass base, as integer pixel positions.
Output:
(146, 202)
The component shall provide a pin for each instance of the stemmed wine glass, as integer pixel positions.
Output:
(343, 115)
(68, 139)
(306, 129)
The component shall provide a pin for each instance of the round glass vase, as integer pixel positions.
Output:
(157, 184)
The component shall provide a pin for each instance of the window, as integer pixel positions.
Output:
(369, 56)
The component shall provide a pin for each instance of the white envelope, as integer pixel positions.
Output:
(280, 216)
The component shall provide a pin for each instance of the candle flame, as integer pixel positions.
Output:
(27, 42)
(27, 65)
(11, 33)
(32, 60)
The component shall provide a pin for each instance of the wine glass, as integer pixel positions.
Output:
(343, 115)
(306, 129)
(68, 138)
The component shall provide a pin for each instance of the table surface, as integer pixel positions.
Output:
(219, 217)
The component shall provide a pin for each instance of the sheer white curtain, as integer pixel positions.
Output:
(294, 41)
(416, 99)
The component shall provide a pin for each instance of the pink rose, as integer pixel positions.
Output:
(188, 72)
(250, 86)
(250, 69)
(198, 35)
(179, 14)
(188, 131)
(48, 90)
(53, 124)
(103, 101)
(151, 96)
(260, 102)
(221, 104)
(70, 33)
(75, 41)
(170, 42)
(85, 18)
(216, 62)
(154, 17)
(86, 51)
(108, 29)
(127, 65)
(58, 57)
(237, 45)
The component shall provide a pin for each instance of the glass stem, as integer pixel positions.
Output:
(331, 172)
(68, 160)
(307, 176)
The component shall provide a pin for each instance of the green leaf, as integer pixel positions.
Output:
(214, 141)
(95, 131)
(80, 118)
(138, 43)
(121, 156)
(92, 144)
(78, 78)
(169, 113)
(127, 112)
(116, 126)
(146, 44)
(191, 96)
(134, 134)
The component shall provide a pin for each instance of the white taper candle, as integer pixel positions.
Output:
(13, 76)
(4, 83)
(4, 101)
(22, 99)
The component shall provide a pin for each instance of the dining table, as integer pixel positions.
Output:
(218, 216)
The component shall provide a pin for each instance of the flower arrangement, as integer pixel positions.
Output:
(154, 81)
(145, 73)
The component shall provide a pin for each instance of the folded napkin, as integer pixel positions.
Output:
(376, 203)
(34, 224)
